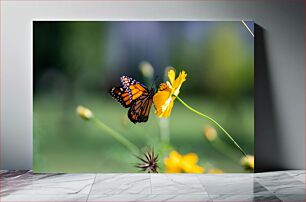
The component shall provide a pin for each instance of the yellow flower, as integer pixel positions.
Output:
(215, 171)
(210, 133)
(84, 112)
(248, 162)
(167, 93)
(177, 163)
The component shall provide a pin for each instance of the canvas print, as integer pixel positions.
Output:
(143, 96)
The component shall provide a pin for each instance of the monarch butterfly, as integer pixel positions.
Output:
(136, 96)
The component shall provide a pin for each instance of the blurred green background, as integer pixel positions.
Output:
(76, 63)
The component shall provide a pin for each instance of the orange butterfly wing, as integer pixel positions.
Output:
(121, 95)
(140, 109)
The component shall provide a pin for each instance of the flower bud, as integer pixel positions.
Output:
(210, 133)
(84, 112)
(248, 162)
(146, 69)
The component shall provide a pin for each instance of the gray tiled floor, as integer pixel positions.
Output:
(271, 186)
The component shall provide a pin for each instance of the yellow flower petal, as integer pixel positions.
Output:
(189, 163)
(176, 163)
(179, 81)
(171, 76)
(175, 156)
(160, 99)
(172, 162)
(192, 168)
(167, 108)
(215, 171)
(191, 158)
(173, 170)
(187, 168)
(197, 169)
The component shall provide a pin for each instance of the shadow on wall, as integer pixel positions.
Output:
(267, 136)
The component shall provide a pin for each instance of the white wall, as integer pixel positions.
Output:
(283, 27)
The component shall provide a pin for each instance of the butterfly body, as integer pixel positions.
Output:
(135, 96)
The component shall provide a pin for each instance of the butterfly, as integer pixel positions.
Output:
(135, 96)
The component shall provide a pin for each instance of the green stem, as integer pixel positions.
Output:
(215, 122)
(129, 145)
(164, 130)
